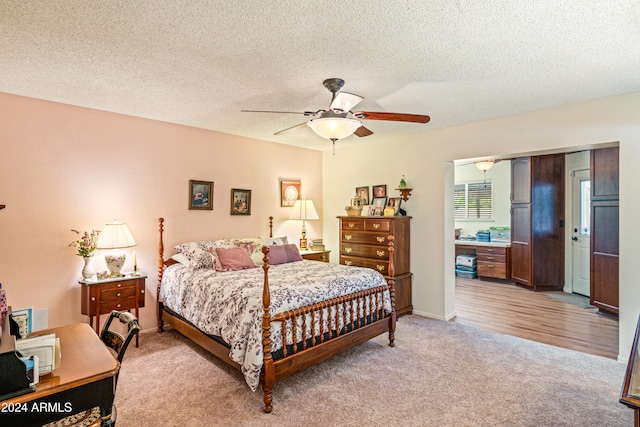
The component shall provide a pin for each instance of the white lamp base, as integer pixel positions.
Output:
(115, 261)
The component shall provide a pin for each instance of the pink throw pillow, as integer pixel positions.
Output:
(233, 259)
(281, 254)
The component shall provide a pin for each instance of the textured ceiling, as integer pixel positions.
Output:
(199, 63)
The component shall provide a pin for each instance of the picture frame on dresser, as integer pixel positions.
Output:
(394, 202)
(378, 204)
(379, 191)
(363, 193)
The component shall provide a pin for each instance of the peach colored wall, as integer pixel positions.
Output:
(64, 167)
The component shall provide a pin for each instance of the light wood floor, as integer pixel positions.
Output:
(512, 310)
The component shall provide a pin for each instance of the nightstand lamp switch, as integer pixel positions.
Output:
(115, 235)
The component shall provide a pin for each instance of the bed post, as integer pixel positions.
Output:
(392, 295)
(160, 271)
(268, 369)
(270, 226)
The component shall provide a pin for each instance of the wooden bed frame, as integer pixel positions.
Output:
(318, 350)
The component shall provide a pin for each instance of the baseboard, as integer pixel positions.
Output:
(434, 316)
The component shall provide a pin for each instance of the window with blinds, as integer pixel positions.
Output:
(473, 200)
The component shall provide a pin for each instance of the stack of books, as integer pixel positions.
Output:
(316, 245)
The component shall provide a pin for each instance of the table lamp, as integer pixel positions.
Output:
(115, 235)
(303, 210)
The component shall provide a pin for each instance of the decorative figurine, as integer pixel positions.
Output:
(403, 183)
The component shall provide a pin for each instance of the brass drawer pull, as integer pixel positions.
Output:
(93, 298)
(490, 265)
(381, 253)
(351, 224)
(490, 250)
(119, 285)
(380, 267)
(491, 257)
(348, 237)
(376, 226)
(380, 239)
(119, 305)
(348, 262)
(119, 294)
(142, 291)
(348, 250)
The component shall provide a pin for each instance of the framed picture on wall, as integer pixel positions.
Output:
(200, 195)
(240, 202)
(379, 191)
(290, 191)
(363, 193)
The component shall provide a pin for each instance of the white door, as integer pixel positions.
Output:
(581, 231)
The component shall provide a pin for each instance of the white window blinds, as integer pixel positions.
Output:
(473, 200)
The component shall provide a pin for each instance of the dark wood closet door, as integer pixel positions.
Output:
(521, 243)
(521, 180)
(605, 229)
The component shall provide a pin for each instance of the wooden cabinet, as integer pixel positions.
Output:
(364, 242)
(604, 262)
(537, 221)
(494, 262)
(316, 255)
(101, 296)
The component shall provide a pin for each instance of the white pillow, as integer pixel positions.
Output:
(273, 241)
(181, 259)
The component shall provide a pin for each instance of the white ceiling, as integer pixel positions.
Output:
(198, 63)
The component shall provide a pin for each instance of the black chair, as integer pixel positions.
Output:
(115, 341)
(118, 344)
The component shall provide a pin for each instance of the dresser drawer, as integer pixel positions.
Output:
(492, 258)
(380, 265)
(366, 237)
(366, 251)
(353, 225)
(377, 225)
(491, 269)
(490, 250)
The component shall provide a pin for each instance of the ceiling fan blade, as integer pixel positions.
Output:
(395, 117)
(306, 113)
(363, 131)
(291, 129)
(343, 102)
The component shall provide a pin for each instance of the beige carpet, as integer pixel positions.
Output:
(439, 374)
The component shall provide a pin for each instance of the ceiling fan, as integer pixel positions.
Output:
(339, 121)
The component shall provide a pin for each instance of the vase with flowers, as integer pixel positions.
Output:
(85, 245)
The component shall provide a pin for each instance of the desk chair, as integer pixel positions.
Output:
(118, 344)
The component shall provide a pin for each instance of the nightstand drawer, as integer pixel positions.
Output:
(124, 292)
(316, 256)
(117, 304)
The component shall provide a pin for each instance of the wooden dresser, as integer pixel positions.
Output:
(364, 242)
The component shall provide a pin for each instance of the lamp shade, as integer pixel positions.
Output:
(334, 127)
(115, 235)
(304, 210)
(484, 165)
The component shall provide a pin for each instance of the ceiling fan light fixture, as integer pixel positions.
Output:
(334, 127)
(344, 102)
(484, 165)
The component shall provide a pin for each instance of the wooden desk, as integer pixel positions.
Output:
(85, 378)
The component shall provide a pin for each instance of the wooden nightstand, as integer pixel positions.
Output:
(316, 255)
(117, 293)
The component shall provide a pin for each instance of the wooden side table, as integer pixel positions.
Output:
(100, 296)
(315, 255)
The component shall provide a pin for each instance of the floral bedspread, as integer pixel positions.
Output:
(229, 304)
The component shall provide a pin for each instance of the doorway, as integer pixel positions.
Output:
(580, 231)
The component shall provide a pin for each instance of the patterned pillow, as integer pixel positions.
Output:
(253, 245)
(198, 258)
